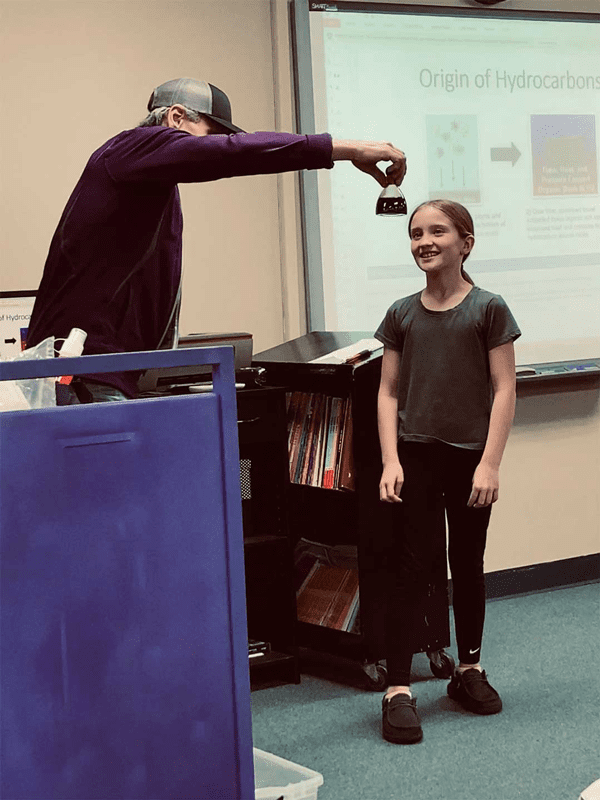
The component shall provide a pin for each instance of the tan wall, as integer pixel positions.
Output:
(77, 71)
(550, 480)
(549, 506)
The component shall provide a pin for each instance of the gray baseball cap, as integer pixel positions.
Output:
(197, 95)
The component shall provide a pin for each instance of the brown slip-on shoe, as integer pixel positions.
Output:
(401, 723)
(472, 690)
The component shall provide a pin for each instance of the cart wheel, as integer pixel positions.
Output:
(442, 665)
(377, 676)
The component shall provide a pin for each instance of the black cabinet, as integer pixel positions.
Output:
(270, 596)
(342, 518)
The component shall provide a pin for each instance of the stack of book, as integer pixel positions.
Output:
(320, 440)
(258, 649)
(327, 591)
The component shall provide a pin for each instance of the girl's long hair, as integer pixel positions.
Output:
(460, 218)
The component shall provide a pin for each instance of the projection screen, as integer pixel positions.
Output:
(496, 110)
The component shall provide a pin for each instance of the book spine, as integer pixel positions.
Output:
(299, 435)
(350, 622)
(340, 442)
(304, 575)
(293, 428)
(307, 429)
(343, 600)
(333, 434)
(314, 448)
(323, 431)
(312, 441)
(293, 400)
(346, 478)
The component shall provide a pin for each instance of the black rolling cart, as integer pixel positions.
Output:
(270, 597)
(268, 557)
(338, 525)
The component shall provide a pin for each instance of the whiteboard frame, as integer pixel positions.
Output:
(305, 102)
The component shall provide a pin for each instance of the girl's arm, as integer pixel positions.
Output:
(504, 381)
(392, 477)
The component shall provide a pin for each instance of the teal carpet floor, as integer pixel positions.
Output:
(541, 652)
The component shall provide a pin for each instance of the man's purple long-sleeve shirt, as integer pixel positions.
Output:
(114, 264)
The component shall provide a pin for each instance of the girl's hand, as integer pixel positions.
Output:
(486, 482)
(391, 482)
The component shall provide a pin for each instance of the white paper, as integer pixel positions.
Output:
(344, 353)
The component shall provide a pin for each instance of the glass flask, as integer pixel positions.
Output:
(391, 202)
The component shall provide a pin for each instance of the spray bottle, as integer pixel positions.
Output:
(71, 348)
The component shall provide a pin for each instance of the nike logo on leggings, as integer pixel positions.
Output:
(472, 652)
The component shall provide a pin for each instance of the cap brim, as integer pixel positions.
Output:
(229, 125)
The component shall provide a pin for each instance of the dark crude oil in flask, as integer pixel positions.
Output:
(391, 202)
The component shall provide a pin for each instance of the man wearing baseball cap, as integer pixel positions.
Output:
(197, 96)
(114, 263)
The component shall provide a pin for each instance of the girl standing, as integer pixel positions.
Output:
(445, 408)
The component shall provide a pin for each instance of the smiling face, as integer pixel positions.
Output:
(435, 242)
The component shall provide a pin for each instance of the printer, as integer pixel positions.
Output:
(179, 379)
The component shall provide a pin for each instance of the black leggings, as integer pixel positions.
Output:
(437, 484)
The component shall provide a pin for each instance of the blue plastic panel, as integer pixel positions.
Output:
(124, 644)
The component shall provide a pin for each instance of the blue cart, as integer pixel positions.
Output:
(124, 660)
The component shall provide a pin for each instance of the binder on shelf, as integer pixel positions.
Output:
(316, 476)
(304, 436)
(304, 565)
(340, 613)
(346, 474)
(331, 450)
(327, 585)
(329, 597)
(314, 433)
(295, 425)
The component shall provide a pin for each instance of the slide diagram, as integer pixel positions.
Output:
(564, 155)
(563, 148)
(452, 156)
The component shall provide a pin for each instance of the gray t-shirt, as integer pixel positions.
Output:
(445, 391)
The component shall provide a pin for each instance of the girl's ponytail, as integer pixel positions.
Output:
(466, 276)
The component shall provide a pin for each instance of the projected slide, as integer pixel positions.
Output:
(498, 114)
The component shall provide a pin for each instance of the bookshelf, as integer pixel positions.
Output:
(346, 530)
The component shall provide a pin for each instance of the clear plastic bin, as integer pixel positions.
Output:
(591, 793)
(276, 778)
